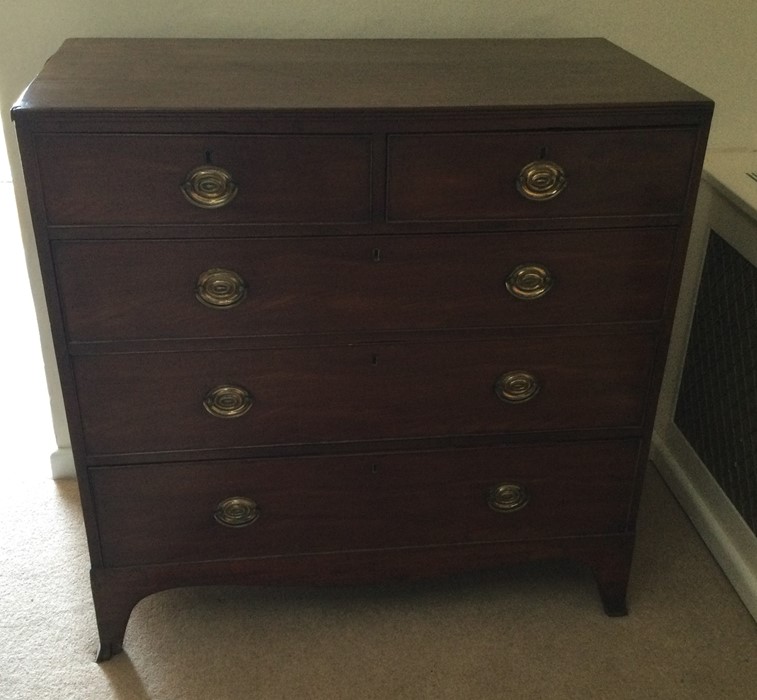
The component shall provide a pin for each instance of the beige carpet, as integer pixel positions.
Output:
(533, 632)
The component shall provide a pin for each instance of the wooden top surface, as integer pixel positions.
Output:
(212, 75)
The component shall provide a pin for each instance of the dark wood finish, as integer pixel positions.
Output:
(375, 224)
(189, 75)
(281, 179)
(164, 513)
(152, 402)
(117, 589)
(470, 176)
(110, 289)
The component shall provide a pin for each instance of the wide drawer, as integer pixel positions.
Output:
(119, 290)
(167, 179)
(474, 176)
(174, 512)
(172, 401)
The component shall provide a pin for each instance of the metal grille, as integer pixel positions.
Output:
(717, 400)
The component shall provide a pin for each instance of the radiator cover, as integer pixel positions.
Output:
(717, 400)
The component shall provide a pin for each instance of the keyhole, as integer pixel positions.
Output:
(543, 153)
(208, 157)
(374, 359)
(376, 254)
(374, 469)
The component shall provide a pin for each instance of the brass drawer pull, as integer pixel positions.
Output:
(209, 187)
(507, 498)
(529, 282)
(517, 386)
(541, 180)
(227, 401)
(220, 289)
(237, 512)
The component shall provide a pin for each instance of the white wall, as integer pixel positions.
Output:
(5, 168)
(709, 45)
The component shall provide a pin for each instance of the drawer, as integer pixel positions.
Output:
(141, 179)
(172, 401)
(167, 513)
(120, 290)
(458, 177)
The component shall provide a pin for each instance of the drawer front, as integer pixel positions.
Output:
(458, 177)
(150, 402)
(120, 290)
(142, 179)
(164, 513)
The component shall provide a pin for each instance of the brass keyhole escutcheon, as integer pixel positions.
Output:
(517, 386)
(529, 282)
(507, 498)
(220, 289)
(541, 180)
(209, 187)
(227, 401)
(236, 511)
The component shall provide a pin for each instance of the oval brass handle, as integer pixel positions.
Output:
(209, 187)
(517, 386)
(507, 498)
(237, 511)
(220, 289)
(529, 282)
(227, 401)
(541, 180)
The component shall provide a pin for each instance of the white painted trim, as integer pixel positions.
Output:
(726, 171)
(62, 463)
(724, 531)
(730, 540)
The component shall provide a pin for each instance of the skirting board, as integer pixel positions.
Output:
(728, 537)
(62, 463)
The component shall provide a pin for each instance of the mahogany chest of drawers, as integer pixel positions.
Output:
(336, 311)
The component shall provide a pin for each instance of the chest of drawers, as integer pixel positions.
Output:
(341, 311)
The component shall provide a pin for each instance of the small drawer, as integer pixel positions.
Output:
(541, 174)
(125, 290)
(176, 401)
(195, 179)
(153, 514)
